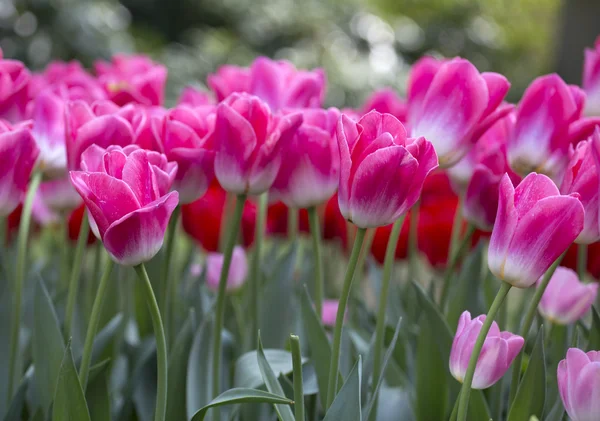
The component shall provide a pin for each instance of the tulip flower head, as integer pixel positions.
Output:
(14, 82)
(386, 101)
(330, 309)
(579, 384)
(534, 225)
(238, 271)
(498, 352)
(591, 79)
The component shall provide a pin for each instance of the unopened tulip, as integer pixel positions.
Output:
(310, 172)
(14, 82)
(387, 101)
(591, 79)
(566, 298)
(381, 171)
(238, 271)
(330, 308)
(582, 176)
(540, 140)
(498, 352)
(534, 225)
(18, 155)
(456, 108)
(126, 191)
(248, 141)
(579, 384)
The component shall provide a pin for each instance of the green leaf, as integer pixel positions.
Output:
(557, 412)
(594, 338)
(478, 407)
(347, 405)
(16, 405)
(69, 400)
(48, 347)
(531, 393)
(241, 395)
(199, 372)
(273, 385)
(96, 393)
(248, 372)
(178, 361)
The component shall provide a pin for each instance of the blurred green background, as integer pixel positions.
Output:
(362, 44)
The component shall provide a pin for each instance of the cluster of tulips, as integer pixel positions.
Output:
(260, 155)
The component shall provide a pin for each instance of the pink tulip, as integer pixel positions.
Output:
(540, 139)
(183, 135)
(126, 191)
(278, 83)
(498, 352)
(579, 384)
(419, 79)
(18, 155)
(14, 81)
(583, 177)
(456, 108)
(59, 195)
(534, 226)
(591, 79)
(248, 141)
(382, 171)
(194, 97)
(330, 309)
(386, 100)
(49, 132)
(566, 298)
(238, 271)
(309, 174)
(134, 79)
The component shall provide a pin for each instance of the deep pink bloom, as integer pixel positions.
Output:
(238, 271)
(386, 101)
(591, 79)
(133, 78)
(579, 384)
(419, 79)
(566, 298)
(126, 191)
(533, 227)
(278, 83)
(194, 97)
(583, 177)
(184, 136)
(309, 174)
(14, 81)
(329, 315)
(540, 140)
(498, 352)
(382, 171)
(248, 141)
(454, 107)
(18, 155)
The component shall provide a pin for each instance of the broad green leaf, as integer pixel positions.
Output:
(241, 395)
(347, 405)
(557, 412)
(531, 393)
(478, 407)
(69, 400)
(47, 345)
(105, 336)
(97, 395)
(594, 338)
(178, 361)
(199, 372)
(16, 405)
(247, 370)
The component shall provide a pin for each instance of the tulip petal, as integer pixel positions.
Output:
(491, 364)
(505, 224)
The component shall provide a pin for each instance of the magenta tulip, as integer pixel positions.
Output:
(566, 298)
(18, 155)
(59, 196)
(330, 308)
(534, 226)
(498, 352)
(309, 174)
(126, 191)
(14, 83)
(194, 98)
(382, 171)
(386, 101)
(238, 271)
(591, 79)
(579, 384)
(248, 141)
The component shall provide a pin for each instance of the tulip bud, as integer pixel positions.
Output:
(238, 271)
(498, 352)
(591, 79)
(329, 315)
(579, 384)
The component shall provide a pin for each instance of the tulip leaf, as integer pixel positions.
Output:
(69, 400)
(97, 395)
(594, 338)
(14, 411)
(241, 395)
(178, 360)
(248, 372)
(557, 412)
(347, 404)
(199, 373)
(531, 393)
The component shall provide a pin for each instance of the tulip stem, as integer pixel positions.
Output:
(76, 274)
(255, 278)
(456, 228)
(161, 344)
(339, 321)
(86, 357)
(298, 387)
(292, 227)
(19, 279)
(167, 282)
(220, 308)
(413, 242)
(454, 413)
(453, 262)
(388, 264)
(227, 211)
(315, 231)
(526, 326)
(582, 257)
(368, 242)
(463, 403)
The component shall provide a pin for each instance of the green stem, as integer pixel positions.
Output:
(388, 264)
(582, 257)
(161, 344)
(19, 279)
(315, 231)
(167, 282)
(292, 224)
(227, 211)
(456, 229)
(255, 279)
(463, 404)
(413, 238)
(454, 259)
(366, 248)
(454, 413)
(526, 326)
(339, 321)
(86, 357)
(76, 274)
(298, 388)
(220, 309)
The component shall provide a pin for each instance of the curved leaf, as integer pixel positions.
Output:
(69, 400)
(347, 404)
